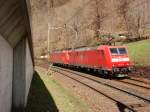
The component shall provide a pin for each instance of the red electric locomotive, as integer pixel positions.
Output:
(109, 60)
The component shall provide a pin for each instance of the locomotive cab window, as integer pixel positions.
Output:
(114, 51)
(122, 51)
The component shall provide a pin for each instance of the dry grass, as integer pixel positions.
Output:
(46, 95)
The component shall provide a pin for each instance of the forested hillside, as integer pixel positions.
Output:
(74, 23)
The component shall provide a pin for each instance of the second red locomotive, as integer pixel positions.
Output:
(108, 60)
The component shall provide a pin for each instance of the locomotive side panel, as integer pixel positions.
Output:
(90, 59)
(56, 58)
(106, 59)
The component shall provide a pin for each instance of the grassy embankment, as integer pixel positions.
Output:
(46, 95)
(140, 52)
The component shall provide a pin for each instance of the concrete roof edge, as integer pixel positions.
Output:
(26, 10)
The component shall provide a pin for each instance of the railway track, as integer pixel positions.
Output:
(140, 80)
(136, 83)
(65, 72)
(106, 83)
(130, 81)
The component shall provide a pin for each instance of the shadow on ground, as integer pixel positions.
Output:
(39, 99)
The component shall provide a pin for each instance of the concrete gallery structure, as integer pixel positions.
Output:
(16, 55)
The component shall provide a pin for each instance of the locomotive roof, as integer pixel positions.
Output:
(85, 48)
(77, 49)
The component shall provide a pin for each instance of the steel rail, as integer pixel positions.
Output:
(118, 102)
(129, 93)
(139, 80)
(130, 83)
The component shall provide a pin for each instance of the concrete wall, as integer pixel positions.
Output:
(19, 76)
(16, 67)
(23, 72)
(29, 70)
(6, 70)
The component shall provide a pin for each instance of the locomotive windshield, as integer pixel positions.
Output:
(122, 51)
(115, 51)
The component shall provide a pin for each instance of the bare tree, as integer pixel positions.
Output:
(99, 15)
(123, 9)
(133, 14)
(137, 26)
(140, 19)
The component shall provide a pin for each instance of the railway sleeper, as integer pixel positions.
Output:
(144, 107)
